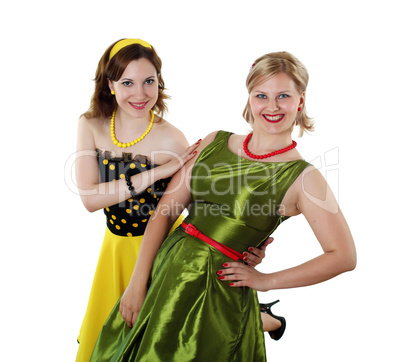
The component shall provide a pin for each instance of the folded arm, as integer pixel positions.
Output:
(95, 194)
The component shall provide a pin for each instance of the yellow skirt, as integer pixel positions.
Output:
(116, 263)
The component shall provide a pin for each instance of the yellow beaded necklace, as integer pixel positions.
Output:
(132, 143)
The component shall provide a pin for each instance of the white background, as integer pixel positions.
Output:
(50, 243)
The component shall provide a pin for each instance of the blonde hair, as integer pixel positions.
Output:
(268, 66)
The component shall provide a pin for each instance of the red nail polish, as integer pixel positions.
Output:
(221, 278)
(219, 272)
(225, 264)
(245, 258)
(245, 254)
(230, 284)
(250, 249)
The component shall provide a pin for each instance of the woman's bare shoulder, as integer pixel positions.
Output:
(93, 123)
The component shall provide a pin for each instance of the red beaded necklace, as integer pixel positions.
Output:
(274, 153)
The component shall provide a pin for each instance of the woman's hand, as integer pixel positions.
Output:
(254, 256)
(241, 275)
(131, 303)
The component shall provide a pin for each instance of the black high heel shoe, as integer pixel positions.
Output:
(277, 333)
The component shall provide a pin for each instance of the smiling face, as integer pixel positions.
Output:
(274, 104)
(136, 91)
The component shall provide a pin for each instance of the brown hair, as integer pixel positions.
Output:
(103, 103)
(268, 66)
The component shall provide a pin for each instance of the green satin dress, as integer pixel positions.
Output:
(189, 314)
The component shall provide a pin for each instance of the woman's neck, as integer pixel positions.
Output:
(262, 143)
(126, 121)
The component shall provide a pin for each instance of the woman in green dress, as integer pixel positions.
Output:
(181, 304)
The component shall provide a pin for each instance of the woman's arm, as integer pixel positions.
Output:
(96, 195)
(168, 210)
(175, 199)
(318, 204)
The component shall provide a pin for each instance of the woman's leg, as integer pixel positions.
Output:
(269, 323)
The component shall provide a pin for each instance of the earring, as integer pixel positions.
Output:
(112, 92)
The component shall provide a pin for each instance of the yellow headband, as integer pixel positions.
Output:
(125, 42)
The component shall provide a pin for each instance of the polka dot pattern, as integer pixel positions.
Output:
(129, 218)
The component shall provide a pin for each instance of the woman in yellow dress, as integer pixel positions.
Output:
(120, 141)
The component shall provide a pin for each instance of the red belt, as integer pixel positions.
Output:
(232, 254)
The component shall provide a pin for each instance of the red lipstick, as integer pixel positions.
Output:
(273, 118)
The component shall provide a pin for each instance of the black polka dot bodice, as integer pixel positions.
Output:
(130, 217)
